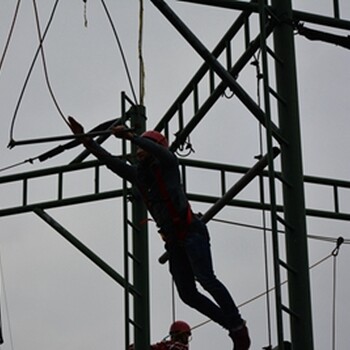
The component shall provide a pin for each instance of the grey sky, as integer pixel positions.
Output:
(55, 297)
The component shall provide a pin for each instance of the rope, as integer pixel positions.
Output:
(262, 294)
(311, 236)
(41, 51)
(4, 297)
(262, 198)
(335, 253)
(45, 65)
(85, 14)
(10, 34)
(142, 64)
(31, 160)
(173, 300)
(120, 49)
(30, 72)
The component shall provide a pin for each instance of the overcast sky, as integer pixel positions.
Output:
(52, 297)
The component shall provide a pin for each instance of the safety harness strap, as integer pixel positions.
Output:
(179, 223)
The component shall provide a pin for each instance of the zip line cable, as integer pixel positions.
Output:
(116, 36)
(258, 296)
(45, 64)
(311, 236)
(30, 72)
(10, 34)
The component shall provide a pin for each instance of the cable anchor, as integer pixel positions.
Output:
(340, 241)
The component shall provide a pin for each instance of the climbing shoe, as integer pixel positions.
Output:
(240, 337)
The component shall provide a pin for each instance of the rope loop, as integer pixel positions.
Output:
(340, 241)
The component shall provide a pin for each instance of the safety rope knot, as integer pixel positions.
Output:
(340, 241)
(11, 144)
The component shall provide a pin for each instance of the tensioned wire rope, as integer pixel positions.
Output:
(258, 296)
(40, 50)
(334, 253)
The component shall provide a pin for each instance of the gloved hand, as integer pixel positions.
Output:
(75, 126)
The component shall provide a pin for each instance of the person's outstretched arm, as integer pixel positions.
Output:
(113, 163)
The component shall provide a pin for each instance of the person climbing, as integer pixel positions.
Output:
(180, 334)
(156, 175)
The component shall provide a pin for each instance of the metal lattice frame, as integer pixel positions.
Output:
(277, 20)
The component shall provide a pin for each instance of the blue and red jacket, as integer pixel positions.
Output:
(158, 182)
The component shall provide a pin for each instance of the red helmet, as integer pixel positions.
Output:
(180, 327)
(156, 137)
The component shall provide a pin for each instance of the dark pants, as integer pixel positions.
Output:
(190, 261)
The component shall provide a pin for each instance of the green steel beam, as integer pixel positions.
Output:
(204, 69)
(84, 249)
(186, 163)
(292, 170)
(48, 171)
(335, 21)
(321, 20)
(228, 4)
(140, 253)
(60, 203)
(210, 59)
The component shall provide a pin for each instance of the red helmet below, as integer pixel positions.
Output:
(156, 137)
(180, 327)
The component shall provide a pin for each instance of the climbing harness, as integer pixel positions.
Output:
(179, 223)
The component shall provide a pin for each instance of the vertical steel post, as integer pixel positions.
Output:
(293, 189)
(140, 253)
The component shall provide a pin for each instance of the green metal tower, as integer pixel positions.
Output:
(278, 22)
